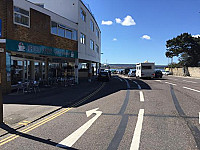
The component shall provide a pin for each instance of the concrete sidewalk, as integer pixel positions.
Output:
(30, 107)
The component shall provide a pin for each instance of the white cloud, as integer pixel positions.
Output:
(146, 37)
(106, 22)
(115, 39)
(128, 21)
(196, 36)
(118, 20)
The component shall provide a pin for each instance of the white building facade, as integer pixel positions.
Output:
(89, 34)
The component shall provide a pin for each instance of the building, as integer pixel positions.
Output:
(38, 41)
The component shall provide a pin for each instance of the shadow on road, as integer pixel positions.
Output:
(28, 136)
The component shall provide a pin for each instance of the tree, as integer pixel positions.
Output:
(186, 47)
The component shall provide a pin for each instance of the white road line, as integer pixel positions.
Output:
(170, 83)
(191, 89)
(72, 138)
(139, 87)
(157, 80)
(141, 96)
(189, 81)
(138, 129)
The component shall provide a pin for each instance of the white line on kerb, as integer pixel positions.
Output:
(141, 96)
(170, 83)
(191, 89)
(136, 136)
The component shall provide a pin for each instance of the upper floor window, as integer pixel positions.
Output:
(21, 16)
(91, 25)
(63, 31)
(92, 44)
(83, 15)
(97, 32)
(97, 48)
(82, 38)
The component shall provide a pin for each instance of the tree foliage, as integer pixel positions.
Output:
(186, 47)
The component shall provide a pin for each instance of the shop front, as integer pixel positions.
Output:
(31, 62)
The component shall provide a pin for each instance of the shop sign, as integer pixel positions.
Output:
(18, 46)
(0, 28)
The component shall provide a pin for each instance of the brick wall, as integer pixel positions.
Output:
(39, 31)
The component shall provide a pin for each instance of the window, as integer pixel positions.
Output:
(83, 15)
(146, 67)
(92, 44)
(54, 27)
(91, 25)
(97, 32)
(82, 38)
(63, 31)
(21, 16)
(97, 48)
(68, 34)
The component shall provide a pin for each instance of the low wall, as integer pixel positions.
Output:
(194, 71)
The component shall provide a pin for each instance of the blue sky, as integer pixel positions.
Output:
(159, 20)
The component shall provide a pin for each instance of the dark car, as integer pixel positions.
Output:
(104, 76)
(158, 74)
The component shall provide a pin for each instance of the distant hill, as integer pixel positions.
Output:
(123, 66)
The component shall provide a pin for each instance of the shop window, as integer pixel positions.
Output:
(54, 27)
(92, 25)
(97, 48)
(82, 38)
(83, 15)
(92, 44)
(21, 16)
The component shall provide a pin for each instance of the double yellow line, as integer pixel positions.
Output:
(14, 136)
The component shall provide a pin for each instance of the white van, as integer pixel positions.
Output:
(145, 70)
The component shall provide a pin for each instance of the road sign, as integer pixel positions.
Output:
(0, 28)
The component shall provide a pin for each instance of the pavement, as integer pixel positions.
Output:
(21, 109)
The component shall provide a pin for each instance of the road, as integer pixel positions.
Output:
(125, 114)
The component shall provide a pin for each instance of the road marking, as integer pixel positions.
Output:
(189, 81)
(14, 136)
(128, 85)
(141, 96)
(170, 83)
(139, 87)
(25, 123)
(71, 139)
(191, 89)
(138, 129)
(158, 80)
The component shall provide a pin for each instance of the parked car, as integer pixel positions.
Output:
(166, 73)
(131, 73)
(103, 76)
(158, 74)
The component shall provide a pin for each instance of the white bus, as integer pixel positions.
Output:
(145, 70)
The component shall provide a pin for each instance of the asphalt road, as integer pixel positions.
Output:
(126, 114)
